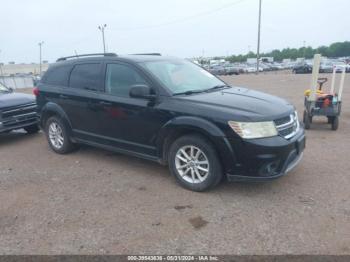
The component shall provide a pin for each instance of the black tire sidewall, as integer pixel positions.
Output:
(335, 123)
(215, 169)
(306, 120)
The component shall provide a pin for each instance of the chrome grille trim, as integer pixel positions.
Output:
(20, 109)
(291, 127)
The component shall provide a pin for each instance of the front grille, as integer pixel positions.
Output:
(282, 120)
(287, 126)
(18, 110)
(19, 115)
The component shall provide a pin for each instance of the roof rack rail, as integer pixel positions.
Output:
(158, 54)
(84, 55)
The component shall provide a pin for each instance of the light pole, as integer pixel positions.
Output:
(258, 47)
(40, 61)
(1, 72)
(102, 29)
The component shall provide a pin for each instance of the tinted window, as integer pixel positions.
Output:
(86, 76)
(57, 75)
(119, 79)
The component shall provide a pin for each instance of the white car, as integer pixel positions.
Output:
(250, 69)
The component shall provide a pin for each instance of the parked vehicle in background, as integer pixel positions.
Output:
(17, 111)
(303, 68)
(217, 70)
(36, 80)
(276, 66)
(326, 67)
(231, 70)
(289, 65)
(206, 67)
(170, 111)
(249, 69)
(340, 65)
(265, 67)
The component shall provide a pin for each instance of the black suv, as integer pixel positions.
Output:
(303, 68)
(17, 111)
(170, 111)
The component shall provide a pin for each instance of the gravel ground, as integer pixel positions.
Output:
(97, 202)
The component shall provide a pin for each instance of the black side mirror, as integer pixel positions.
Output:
(11, 89)
(141, 91)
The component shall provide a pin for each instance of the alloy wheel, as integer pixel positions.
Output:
(192, 164)
(56, 135)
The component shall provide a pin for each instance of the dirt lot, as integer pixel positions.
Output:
(97, 202)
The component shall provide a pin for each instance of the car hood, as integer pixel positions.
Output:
(242, 104)
(15, 99)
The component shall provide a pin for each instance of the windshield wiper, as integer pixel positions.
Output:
(217, 87)
(190, 92)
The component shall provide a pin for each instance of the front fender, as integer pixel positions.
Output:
(204, 127)
(194, 123)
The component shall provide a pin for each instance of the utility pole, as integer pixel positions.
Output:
(40, 60)
(102, 29)
(1, 72)
(258, 47)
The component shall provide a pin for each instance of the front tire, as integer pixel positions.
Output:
(194, 163)
(57, 136)
(32, 129)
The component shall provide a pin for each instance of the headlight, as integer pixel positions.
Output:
(251, 130)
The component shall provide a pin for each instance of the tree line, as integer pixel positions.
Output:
(338, 49)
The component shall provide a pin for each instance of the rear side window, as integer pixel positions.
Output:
(57, 75)
(120, 78)
(86, 76)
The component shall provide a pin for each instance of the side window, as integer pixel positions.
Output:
(86, 76)
(57, 75)
(120, 78)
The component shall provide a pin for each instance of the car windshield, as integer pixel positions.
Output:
(182, 76)
(3, 89)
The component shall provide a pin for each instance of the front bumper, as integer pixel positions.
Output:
(266, 159)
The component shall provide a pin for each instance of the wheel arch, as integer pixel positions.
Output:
(181, 126)
(52, 109)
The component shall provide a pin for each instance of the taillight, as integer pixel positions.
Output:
(36, 91)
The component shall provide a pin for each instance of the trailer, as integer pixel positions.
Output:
(319, 103)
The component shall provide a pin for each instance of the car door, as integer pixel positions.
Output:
(126, 122)
(81, 96)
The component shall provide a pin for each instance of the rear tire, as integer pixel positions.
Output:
(32, 129)
(57, 136)
(194, 163)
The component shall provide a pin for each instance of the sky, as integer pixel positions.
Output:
(183, 28)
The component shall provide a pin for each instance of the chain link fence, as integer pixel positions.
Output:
(17, 82)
